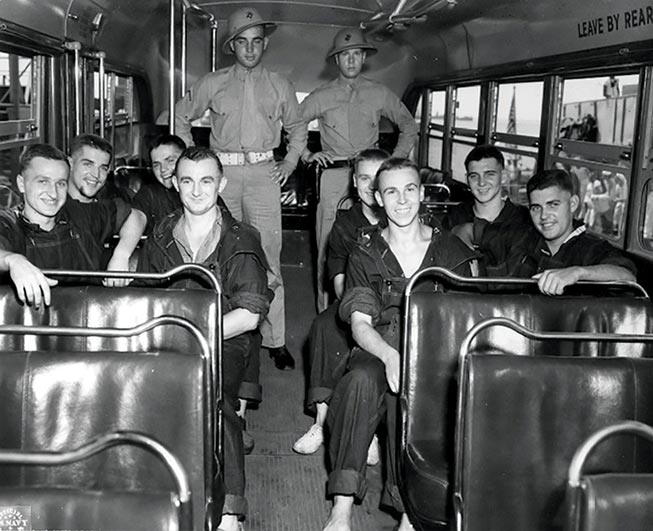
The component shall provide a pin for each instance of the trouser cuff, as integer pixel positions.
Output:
(250, 391)
(234, 504)
(316, 395)
(347, 483)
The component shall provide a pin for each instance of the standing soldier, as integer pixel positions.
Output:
(348, 110)
(248, 105)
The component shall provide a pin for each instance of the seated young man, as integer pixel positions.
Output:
(90, 159)
(562, 252)
(492, 224)
(204, 232)
(40, 234)
(330, 339)
(377, 273)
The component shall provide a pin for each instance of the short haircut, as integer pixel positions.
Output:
(167, 140)
(486, 151)
(44, 151)
(371, 155)
(396, 163)
(548, 178)
(92, 141)
(198, 153)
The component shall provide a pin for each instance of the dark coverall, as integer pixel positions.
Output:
(330, 340)
(361, 400)
(239, 262)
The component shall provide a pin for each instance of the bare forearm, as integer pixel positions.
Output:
(238, 322)
(339, 285)
(604, 272)
(130, 233)
(370, 340)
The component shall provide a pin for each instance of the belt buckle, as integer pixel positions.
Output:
(250, 156)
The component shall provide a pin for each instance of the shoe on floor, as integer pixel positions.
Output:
(248, 440)
(373, 452)
(310, 442)
(282, 358)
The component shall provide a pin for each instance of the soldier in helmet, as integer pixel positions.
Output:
(348, 110)
(248, 105)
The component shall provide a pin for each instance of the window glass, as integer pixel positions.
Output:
(15, 87)
(458, 156)
(519, 108)
(647, 229)
(438, 106)
(519, 169)
(467, 107)
(435, 152)
(600, 109)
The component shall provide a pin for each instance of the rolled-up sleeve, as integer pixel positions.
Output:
(246, 284)
(360, 295)
(396, 111)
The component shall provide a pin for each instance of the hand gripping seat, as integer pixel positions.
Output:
(434, 326)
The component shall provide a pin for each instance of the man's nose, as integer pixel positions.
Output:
(249, 47)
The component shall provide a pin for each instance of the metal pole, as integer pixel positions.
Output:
(102, 88)
(184, 47)
(171, 57)
(77, 70)
(14, 87)
(214, 45)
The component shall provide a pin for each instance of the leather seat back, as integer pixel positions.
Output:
(57, 392)
(613, 502)
(436, 325)
(523, 419)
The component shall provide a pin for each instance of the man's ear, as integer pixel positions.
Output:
(574, 202)
(223, 183)
(70, 162)
(231, 46)
(379, 198)
(20, 183)
(504, 177)
(175, 183)
(266, 41)
(421, 193)
(364, 56)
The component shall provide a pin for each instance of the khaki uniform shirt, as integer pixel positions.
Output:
(222, 93)
(349, 114)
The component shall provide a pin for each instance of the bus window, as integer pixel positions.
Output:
(595, 128)
(516, 130)
(18, 125)
(467, 109)
(647, 229)
(437, 100)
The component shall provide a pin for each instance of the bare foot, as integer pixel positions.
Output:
(405, 524)
(340, 516)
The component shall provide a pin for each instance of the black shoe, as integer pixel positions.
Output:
(282, 358)
(248, 440)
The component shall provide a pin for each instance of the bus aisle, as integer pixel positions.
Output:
(285, 490)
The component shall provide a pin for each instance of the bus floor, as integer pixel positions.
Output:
(285, 490)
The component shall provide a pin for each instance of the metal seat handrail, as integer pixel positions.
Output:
(209, 390)
(463, 354)
(108, 440)
(454, 278)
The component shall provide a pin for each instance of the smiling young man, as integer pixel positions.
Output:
(90, 159)
(563, 252)
(348, 110)
(248, 106)
(152, 203)
(492, 225)
(377, 273)
(40, 233)
(330, 338)
(204, 232)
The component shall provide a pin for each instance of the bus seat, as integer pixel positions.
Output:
(59, 509)
(523, 418)
(435, 326)
(64, 389)
(609, 501)
(59, 400)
